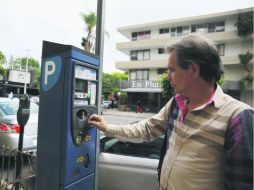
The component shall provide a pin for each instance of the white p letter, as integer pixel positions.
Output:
(49, 72)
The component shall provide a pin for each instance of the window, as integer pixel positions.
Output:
(211, 27)
(132, 75)
(193, 28)
(200, 28)
(221, 49)
(144, 150)
(139, 74)
(140, 35)
(179, 31)
(140, 54)
(163, 30)
(162, 71)
(161, 50)
(134, 55)
(186, 30)
(220, 26)
(134, 36)
(146, 55)
(173, 32)
(145, 75)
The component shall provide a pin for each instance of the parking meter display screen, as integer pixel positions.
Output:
(85, 85)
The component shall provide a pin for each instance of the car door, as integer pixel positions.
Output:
(128, 166)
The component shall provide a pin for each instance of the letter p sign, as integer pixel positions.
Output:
(51, 70)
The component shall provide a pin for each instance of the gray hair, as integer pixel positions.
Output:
(197, 49)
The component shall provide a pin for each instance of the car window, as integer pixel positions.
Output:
(11, 108)
(144, 150)
(8, 108)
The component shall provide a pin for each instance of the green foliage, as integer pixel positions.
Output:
(168, 91)
(90, 23)
(245, 24)
(123, 98)
(245, 60)
(3, 71)
(32, 63)
(111, 82)
(222, 80)
(33, 66)
(2, 58)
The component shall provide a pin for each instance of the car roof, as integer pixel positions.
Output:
(5, 99)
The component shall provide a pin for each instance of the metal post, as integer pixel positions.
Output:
(99, 43)
(26, 72)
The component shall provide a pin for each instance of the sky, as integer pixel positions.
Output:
(25, 24)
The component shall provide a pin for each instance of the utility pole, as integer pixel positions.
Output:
(99, 43)
(26, 71)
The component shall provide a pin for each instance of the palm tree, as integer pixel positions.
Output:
(90, 24)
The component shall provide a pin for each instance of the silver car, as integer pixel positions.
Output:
(9, 128)
(125, 165)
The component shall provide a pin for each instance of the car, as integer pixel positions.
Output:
(126, 165)
(10, 130)
(106, 104)
(35, 99)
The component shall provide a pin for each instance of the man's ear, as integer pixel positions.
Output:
(195, 70)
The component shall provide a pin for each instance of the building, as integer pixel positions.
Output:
(15, 83)
(148, 59)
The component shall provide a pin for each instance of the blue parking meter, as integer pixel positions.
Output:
(66, 155)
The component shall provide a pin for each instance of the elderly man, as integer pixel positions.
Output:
(209, 134)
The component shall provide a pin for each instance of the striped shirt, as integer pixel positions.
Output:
(210, 148)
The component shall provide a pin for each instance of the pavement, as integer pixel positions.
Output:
(117, 112)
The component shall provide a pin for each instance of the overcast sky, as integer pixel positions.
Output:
(25, 24)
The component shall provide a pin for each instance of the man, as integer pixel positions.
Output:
(210, 139)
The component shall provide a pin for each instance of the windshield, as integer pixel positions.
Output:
(11, 108)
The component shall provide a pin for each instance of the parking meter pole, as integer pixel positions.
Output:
(22, 118)
(99, 51)
(19, 160)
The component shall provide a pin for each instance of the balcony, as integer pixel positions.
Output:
(141, 64)
(162, 63)
(220, 37)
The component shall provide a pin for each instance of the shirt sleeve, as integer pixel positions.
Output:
(145, 130)
(239, 152)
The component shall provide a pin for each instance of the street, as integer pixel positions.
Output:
(123, 118)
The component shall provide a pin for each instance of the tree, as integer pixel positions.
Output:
(168, 91)
(3, 71)
(245, 24)
(245, 60)
(33, 67)
(111, 83)
(90, 24)
(2, 58)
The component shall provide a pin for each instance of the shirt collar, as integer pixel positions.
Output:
(216, 98)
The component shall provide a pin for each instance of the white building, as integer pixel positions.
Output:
(148, 59)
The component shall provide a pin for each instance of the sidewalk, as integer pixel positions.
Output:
(115, 111)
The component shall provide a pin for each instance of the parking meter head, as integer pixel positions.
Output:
(24, 110)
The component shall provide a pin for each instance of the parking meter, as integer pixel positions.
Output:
(23, 110)
(23, 114)
(66, 146)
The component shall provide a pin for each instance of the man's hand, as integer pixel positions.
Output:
(98, 121)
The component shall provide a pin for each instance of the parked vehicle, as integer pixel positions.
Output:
(125, 165)
(9, 128)
(106, 104)
(122, 165)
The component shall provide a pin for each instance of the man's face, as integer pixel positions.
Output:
(180, 79)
